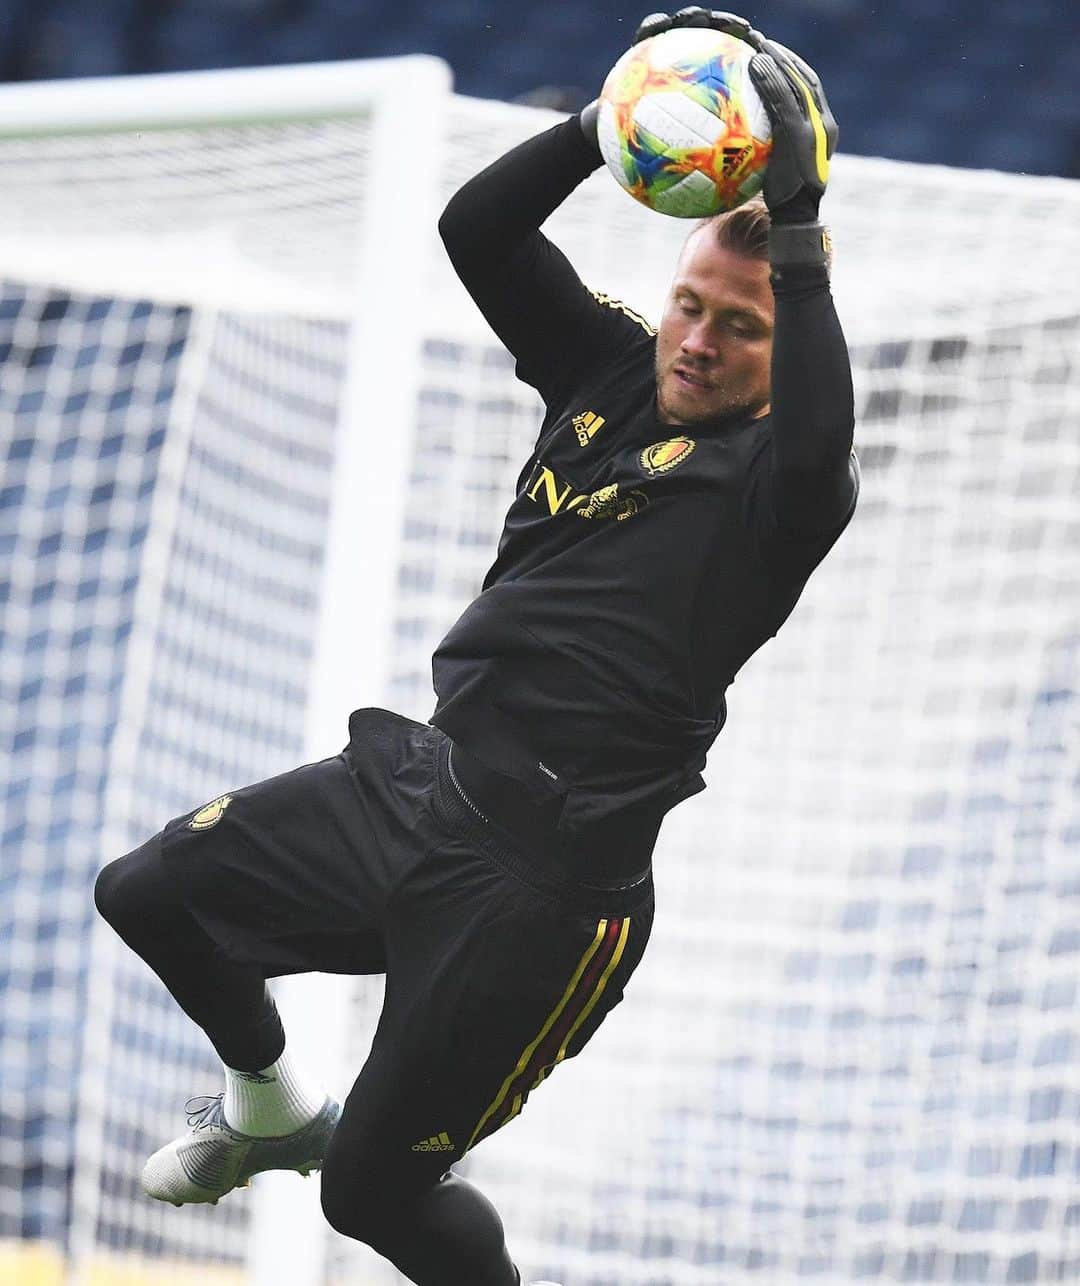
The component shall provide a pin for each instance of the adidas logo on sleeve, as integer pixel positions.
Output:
(437, 1143)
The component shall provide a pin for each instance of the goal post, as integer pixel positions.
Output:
(258, 445)
(211, 293)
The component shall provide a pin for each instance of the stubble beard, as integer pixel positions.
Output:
(724, 411)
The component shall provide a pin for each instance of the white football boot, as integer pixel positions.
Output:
(212, 1158)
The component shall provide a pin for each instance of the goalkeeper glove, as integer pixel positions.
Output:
(804, 133)
(695, 16)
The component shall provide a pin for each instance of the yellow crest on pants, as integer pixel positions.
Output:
(210, 814)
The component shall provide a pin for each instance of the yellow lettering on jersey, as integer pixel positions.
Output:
(555, 497)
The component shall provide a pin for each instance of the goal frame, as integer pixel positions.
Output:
(401, 98)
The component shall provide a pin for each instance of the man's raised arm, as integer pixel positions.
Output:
(525, 286)
(813, 412)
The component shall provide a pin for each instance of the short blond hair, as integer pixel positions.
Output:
(744, 230)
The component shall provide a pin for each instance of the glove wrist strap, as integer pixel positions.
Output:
(799, 244)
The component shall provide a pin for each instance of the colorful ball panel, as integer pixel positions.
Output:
(681, 125)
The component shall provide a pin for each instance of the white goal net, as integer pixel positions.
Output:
(257, 446)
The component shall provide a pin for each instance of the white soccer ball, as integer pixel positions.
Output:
(681, 126)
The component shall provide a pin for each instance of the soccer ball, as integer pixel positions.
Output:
(681, 125)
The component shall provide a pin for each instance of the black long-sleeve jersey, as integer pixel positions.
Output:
(640, 564)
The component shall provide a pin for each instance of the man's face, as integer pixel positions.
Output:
(714, 345)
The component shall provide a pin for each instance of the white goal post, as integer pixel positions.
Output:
(257, 447)
(226, 231)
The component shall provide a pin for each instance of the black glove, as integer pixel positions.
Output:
(695, 16)
(804, 133)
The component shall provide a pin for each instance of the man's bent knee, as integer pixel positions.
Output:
(112, 894)
(133, 892)
(355, 1210)
(369, 1203)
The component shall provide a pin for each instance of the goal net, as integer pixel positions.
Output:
(258, 444)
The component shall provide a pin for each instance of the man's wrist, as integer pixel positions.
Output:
(794, 245)
(587, 119)
(802, 207)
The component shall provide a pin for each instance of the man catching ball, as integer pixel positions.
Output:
(495, 863)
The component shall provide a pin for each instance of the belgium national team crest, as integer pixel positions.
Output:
(662, 457)
(210, 814)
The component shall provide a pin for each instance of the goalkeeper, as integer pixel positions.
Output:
(495, 863)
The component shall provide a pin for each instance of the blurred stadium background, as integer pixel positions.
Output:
(852, 1052)
(968, 83)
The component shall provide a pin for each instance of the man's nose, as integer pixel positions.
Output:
(700, 343)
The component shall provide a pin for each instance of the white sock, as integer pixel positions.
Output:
(270, 1102)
